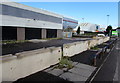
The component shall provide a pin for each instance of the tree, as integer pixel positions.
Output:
(109, 30)
(78, 30)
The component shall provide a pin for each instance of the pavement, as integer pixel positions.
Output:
(109, 69)
(79, 73)
(119, 61)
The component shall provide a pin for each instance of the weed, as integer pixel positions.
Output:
(95, 48)
(13, 41)
(65, 62)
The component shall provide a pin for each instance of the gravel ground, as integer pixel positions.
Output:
(36, 44)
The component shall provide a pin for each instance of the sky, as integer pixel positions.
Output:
(92, 12)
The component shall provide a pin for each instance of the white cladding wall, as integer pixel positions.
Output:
(15, 14)
(23, 22)
(18, 5)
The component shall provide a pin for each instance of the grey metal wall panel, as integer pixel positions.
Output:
(22, 13)
(0, 9)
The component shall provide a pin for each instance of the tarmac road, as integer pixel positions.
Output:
(108, 71)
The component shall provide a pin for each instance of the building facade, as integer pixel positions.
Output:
(68, 25)
(89, 27)
(20, 22)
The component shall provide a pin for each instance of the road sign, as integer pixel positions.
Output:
(115, 33)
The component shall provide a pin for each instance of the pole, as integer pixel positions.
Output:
(83, 20)
(108, 20)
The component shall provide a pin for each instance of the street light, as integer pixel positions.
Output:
(83, 20)
(108, 19)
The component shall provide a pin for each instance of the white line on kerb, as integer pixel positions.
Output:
(101, 65)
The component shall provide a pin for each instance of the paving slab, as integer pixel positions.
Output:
(81, 72)
(48, 69)
(85, 67)
(73, 77)
(56, 72)
(74, 63)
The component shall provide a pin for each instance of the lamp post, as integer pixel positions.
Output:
(108, 19)
(83, 19)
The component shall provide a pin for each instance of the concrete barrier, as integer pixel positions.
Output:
(25, 63)
(100, 41)
(29, 62)
(92, 43)
(106, 39)
(71, 49)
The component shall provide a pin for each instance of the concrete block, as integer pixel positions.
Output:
(9, 68)
(92, 43)
(106, 39)
(73, 77)
(74, 48)
(100, 41)
(27, 63)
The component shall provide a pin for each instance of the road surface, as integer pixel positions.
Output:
(109, 69)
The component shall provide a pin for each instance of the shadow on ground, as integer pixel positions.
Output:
(41, 76)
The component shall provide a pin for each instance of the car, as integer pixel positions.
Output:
(101, 35)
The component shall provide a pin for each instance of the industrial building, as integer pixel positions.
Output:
(88, 27)
(21, 22)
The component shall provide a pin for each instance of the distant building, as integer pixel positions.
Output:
(69, 23)
(20, 22)
(88, 27)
